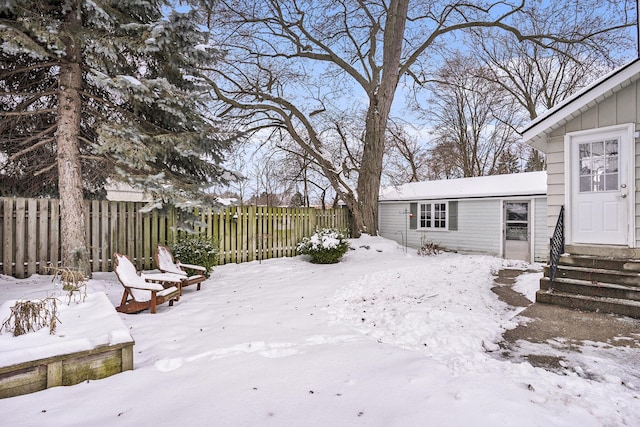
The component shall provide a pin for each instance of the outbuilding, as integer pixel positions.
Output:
(500, 215)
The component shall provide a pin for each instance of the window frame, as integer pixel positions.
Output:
(434, 218)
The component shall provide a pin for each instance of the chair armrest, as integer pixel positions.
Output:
(193, 267)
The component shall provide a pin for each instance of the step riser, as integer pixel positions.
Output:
(600, 251)
(591, 290)
(587, 305)
(599, 277)
(601, 263)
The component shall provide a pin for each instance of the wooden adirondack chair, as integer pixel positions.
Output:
(164, 261)
(140, 294)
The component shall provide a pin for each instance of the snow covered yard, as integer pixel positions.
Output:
(383, 338)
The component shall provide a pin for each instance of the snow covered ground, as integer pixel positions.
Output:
(384, 338)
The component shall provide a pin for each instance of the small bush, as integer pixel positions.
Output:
(326, 246)
(428, 248)
(196, 250)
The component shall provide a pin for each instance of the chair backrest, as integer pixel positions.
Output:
(128, 276)
(165, 262)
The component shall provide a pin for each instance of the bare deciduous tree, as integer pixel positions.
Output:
(539, 77)
(406, 156)
(472, 120)
(290, 63)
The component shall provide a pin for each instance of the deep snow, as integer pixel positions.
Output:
(384, 338)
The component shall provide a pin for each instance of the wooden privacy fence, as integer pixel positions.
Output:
(30, 232)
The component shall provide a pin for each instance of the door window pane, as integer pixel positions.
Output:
(517, 232)
(599, 166)
(517, 211)
(611, 182)
(585, 183)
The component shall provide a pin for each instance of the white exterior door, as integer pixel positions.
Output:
(600, 186)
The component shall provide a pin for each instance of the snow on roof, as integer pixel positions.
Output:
(518, 184)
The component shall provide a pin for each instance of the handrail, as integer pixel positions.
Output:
(556, 246)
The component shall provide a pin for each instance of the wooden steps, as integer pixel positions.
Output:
(608, 284)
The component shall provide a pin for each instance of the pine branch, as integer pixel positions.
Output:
(28, 113)
(35, 146)
(45, 170)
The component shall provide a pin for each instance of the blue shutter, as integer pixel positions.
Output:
(453, 215)
(413, 219)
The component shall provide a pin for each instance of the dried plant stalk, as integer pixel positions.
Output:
(32, 315)
(73, 282)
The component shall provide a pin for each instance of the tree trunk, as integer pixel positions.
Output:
(74, 247)
(364, 214)
(365, 210)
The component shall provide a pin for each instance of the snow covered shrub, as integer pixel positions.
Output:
(196, 250)
(326, 246)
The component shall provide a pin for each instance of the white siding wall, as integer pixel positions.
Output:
(541, 240)
(479, 227)
(480, 224)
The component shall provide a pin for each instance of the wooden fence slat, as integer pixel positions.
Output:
(43, 235)
(146, 241)
(32, 236)
(7, 227)
(113, 233)
(232, 238)
(104, 235)
(54, 234)
(94, 241)
(133, 227)
(20, 230)
(251, 234)
(155, 235)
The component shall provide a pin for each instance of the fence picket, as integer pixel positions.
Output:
(20, 231)
(94, 239)
(32, 237)
(54, 234)
(43, 235)
(7, 227)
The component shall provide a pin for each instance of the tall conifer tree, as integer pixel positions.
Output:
(98, 89)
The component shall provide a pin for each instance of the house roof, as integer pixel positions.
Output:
(536, 131)
(518, 184)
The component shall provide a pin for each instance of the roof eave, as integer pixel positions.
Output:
(465, 197)
(535, 133)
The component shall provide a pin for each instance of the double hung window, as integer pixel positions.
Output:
(433, 216)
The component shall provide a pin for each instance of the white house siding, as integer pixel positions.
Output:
(479, 227)
(393, 220)
(620, 108)
(540, 238)
(480, 223)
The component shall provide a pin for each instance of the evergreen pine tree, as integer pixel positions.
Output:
(104, 89)
(507, 163)
(297, 200)
(535, 161)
